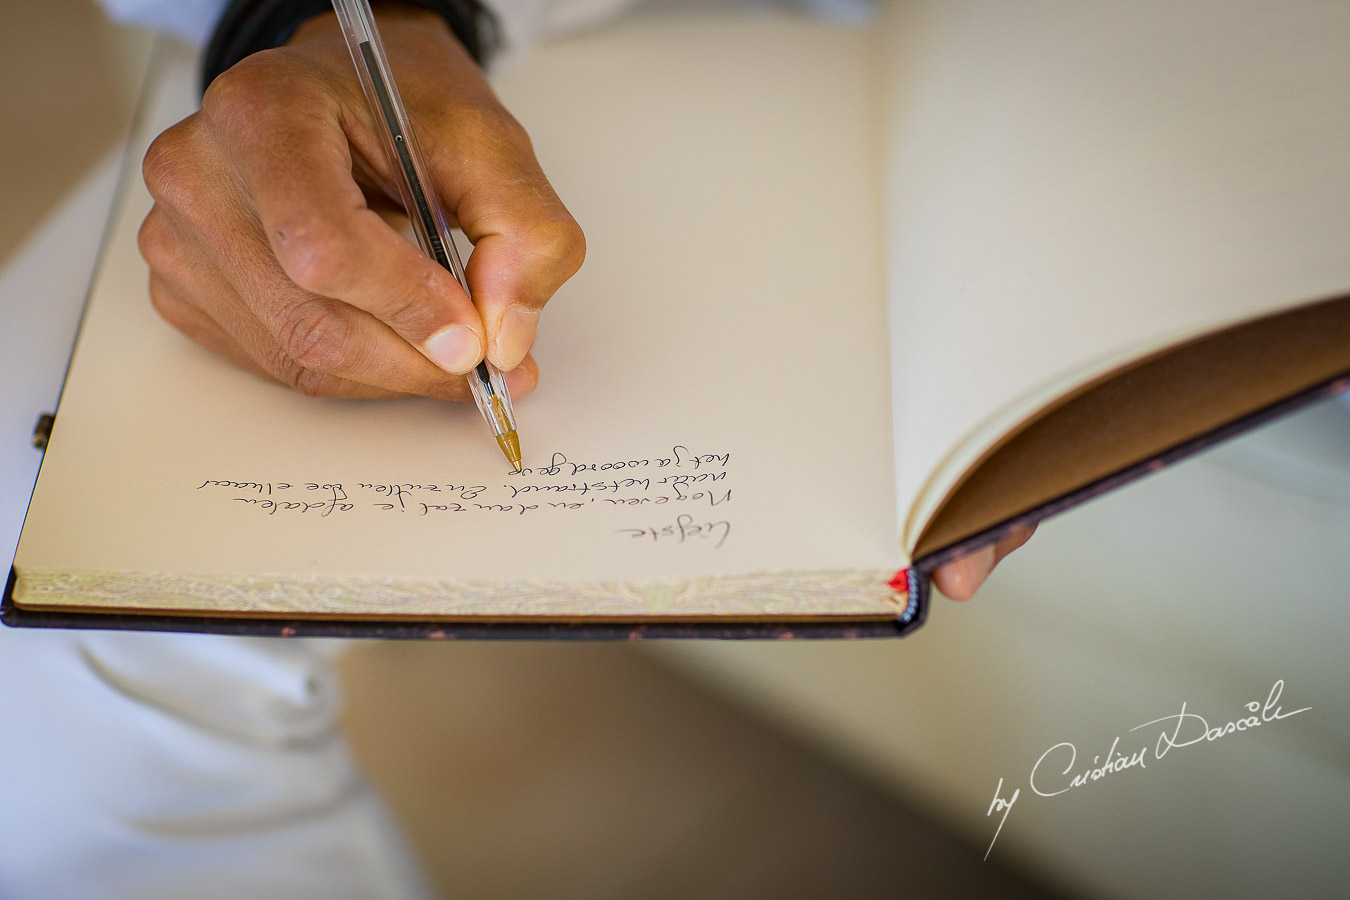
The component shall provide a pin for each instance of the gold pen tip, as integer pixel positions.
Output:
(510, 444)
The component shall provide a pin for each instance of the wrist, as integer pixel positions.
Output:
(388, 15)
(248, 26)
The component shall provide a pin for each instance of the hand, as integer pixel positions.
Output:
(267, 245)
(961, 578)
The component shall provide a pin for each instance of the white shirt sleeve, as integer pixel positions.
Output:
(522, 23)
(525, 23)
(191, 20)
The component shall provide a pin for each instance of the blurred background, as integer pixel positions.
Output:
(827, 769)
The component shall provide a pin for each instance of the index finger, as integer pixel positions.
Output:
(526, 243)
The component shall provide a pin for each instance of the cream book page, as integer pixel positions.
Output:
(1073, 185)
(711, 433)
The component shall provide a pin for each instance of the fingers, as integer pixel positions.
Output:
(178, 306)
(206, 244)
(192, 294)
(205, 331)
(297, 169)
(516, 270)
(526, 243)
(256, 318)
(267, 245)
(962, 577)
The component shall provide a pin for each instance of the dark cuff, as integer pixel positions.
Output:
(248, 26)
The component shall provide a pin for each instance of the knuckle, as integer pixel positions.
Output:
(480, 134)
(409, 315)
(313, 382)
(314, 339)
(157, 166)
(169, 168)
(236, 99)
(167, 304)
(507, 129)
(561, 242)
(307, 381)
(156, 240)
(490, 123)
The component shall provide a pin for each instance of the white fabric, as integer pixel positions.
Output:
(159, 765)
(167, 766)
(523, 23)
(190, 20)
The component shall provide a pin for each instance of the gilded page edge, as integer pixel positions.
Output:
(825, 593)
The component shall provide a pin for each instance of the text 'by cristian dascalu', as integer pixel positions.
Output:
(677, 497)
(1060, 770)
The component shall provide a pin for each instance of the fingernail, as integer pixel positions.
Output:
(516, 336)
(456, 349)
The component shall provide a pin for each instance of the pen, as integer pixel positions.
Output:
(423, 207)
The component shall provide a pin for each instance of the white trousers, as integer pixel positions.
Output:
(148, 765)
(159, 765)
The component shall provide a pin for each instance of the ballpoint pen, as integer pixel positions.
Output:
(423, 207)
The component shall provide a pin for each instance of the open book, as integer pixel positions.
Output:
(858, 299)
